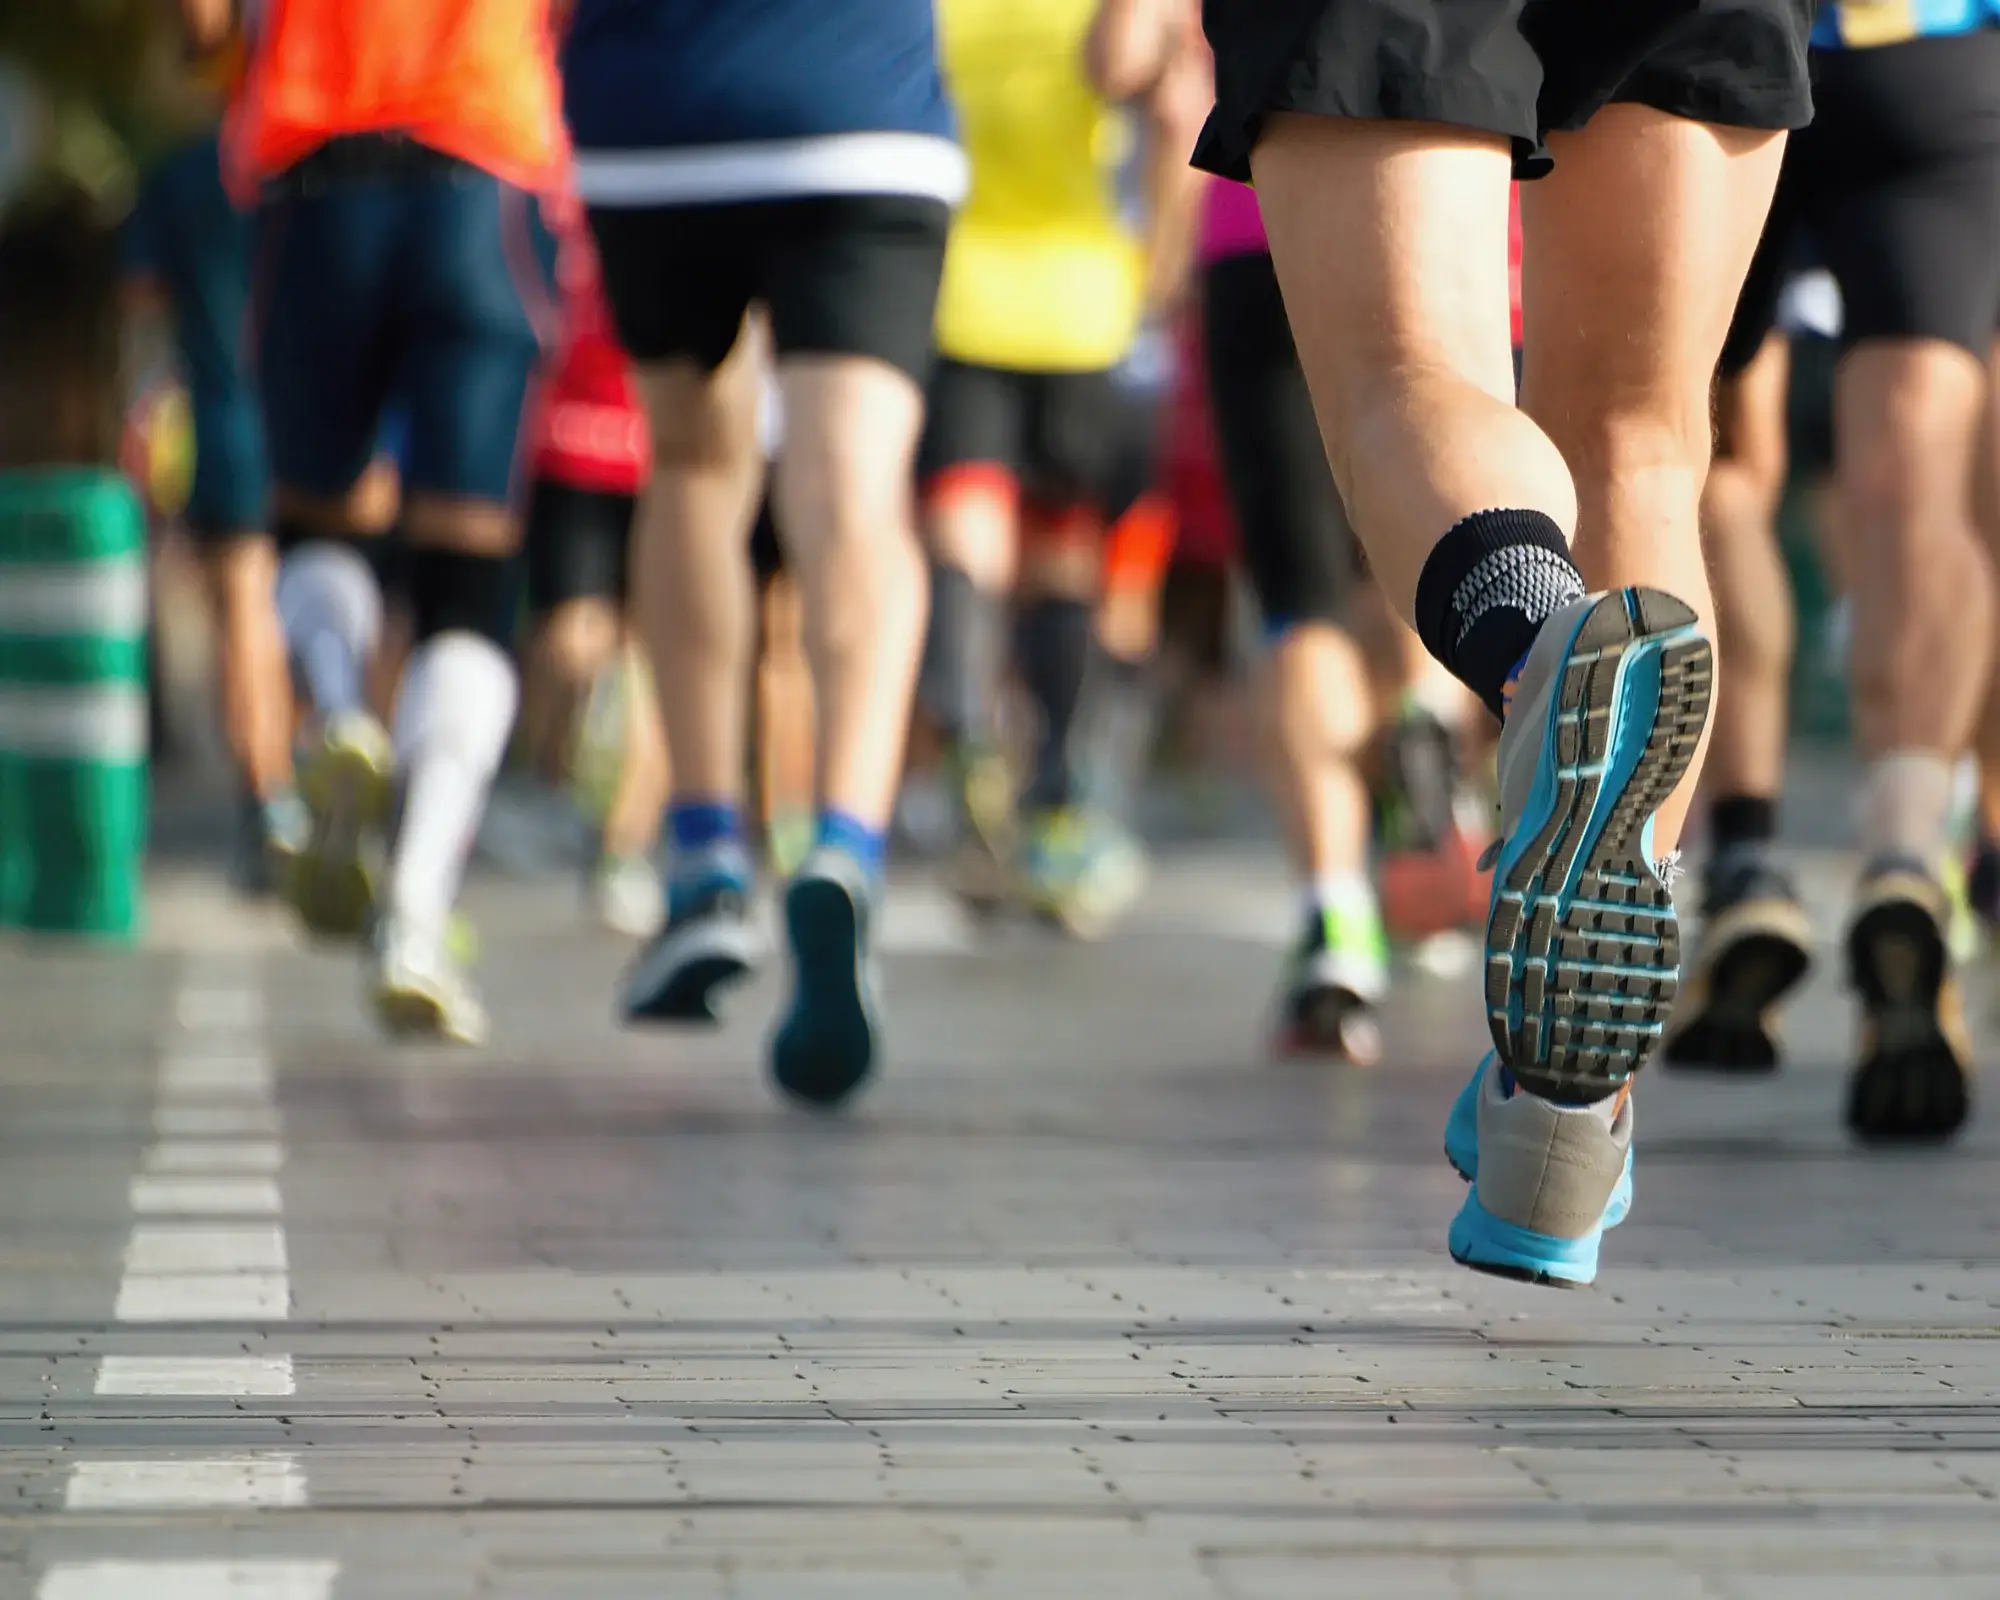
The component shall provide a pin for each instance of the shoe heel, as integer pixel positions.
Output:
(1483, 1242)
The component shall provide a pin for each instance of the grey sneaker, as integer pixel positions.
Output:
(1547, 1180)
(1582, 950)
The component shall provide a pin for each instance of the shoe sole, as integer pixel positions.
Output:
(824, 1049)
(689, 987)
(1581, 941)
(1912, 1088)
(1331, 1023)
(1750, 958)
(418, 1014)
(348, 792)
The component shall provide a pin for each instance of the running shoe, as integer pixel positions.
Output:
(1414, 806)
(1962, 926)
(420, 990)
(625, 894)
(1333, 978)
(1547, 1179)
(1912, 1082)
(981, 790)
(825, 1045)
(347, 781)
(1081, 871)
(1755, 945)
(706, 948)
(271, 835)
(1582, 950)
(1982, 883)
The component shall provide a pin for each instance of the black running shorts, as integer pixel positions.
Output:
(1523, 68)
(1067, 439)
(1298, 547)
(840, 274)
(577, 544)
(1897, 185)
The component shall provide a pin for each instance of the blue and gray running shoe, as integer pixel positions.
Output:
(1582, 950)
(1553, 1179)
(825, 1045)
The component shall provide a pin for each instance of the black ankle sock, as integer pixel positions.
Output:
(1052, 647)
(1485, 591)
(1740, 819)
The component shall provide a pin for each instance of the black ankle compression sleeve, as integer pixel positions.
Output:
(1485, 591)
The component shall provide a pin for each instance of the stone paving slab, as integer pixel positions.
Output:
(1086, 1297)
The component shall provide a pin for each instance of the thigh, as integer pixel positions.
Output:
(477, 311)
(678, 279)
(1638, 245)
(1297, 546)
(973, 417)
(321, 321)
(853, 275)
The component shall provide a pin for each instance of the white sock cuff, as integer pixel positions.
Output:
(1906, 804)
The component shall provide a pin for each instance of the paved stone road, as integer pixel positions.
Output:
(1086, 1298)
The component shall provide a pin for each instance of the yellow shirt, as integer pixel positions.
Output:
(1042, 273)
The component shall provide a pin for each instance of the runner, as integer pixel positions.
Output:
(395, 148)
(1028, 455)
(1383, 182)
(794, 155)
(1898, 181)
(187, 248)
(593, 455)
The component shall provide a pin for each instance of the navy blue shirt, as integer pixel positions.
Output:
(657, 74)
(184, 232)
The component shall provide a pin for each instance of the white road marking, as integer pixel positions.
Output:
(247, 1247)
(216, 1155)
(195, 1375)
(205, 1297)
(154, 1195)
(189, 1580)
(246, 1075)
(183, 1119)
(186, 1484)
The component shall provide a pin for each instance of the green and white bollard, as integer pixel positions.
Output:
(73, 717)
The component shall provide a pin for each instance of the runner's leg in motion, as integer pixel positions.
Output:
(845, 511)
(694, 602)
(1466, 507)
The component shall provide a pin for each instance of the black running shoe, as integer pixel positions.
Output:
(1912, 1081)
(707, 947)
(1755, 945)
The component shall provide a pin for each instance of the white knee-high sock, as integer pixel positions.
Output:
(1906, 805)
(452, 722)
(331, 607)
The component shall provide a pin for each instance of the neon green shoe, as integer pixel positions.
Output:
(1081, 870)
(1333, 977)
(347, 781)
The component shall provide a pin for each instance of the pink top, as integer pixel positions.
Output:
(1231, 223)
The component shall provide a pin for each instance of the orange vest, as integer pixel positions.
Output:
(475, 79)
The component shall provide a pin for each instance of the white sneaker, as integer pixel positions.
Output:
(347, 780)
(625, 893)
(419, 990)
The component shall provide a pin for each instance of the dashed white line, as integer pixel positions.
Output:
(186, 1483)
(195, 1375)
(154, 1195)
(190, 1580)
(216, 1155)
